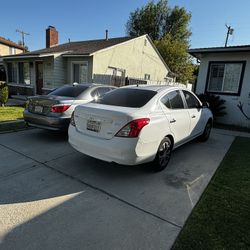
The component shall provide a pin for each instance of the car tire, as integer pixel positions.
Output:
(163, 155)
(206, 133)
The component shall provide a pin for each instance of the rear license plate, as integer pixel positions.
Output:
(38, 109)
(93, 125)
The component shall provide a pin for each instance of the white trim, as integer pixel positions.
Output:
(18, 57)
(79, 55)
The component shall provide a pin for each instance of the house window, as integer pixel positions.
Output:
(146, 77)
(12, 72)
(80, 72)
(225, 77)
(24, 72)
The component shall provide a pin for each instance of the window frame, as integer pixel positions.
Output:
(14, 72)
(182, 98)
(79, 63)
(185, 101)
(21, 63)
(240, 81)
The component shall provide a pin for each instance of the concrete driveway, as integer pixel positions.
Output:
(52, 197)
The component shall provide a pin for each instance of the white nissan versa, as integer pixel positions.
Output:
(138, 124)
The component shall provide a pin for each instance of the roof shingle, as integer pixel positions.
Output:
(10, 43)
(79, 48)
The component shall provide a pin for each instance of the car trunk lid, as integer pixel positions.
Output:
(43, 104)
(102, 121)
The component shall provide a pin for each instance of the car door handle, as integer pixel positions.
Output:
(193, 116)
(172, 121)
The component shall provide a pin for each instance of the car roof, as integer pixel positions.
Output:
(157, 88)
(87, 85)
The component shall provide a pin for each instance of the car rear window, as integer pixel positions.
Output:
(69, 91)
(131, 98)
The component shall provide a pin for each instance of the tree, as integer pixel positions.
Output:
(3, 93)
(174, 52)
(169, 29)
(150, 19)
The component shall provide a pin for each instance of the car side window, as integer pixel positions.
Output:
(173, 100)
(95, 93)
(165, 101)
(191, 100)
(103, 90)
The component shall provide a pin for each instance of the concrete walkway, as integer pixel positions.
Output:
(52, 197)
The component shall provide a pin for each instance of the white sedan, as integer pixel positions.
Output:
(138, 124)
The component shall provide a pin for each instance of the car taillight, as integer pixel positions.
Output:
(133, 129)
(72, 120)
(60, 108)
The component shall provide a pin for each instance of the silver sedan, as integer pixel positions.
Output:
(53, 111)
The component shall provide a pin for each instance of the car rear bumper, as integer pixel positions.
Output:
(125, 151)
(46, 122)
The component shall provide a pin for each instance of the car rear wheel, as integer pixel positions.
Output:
(163, 155)
(206, 132)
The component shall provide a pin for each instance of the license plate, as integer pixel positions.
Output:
(38, 109)
(93, 125)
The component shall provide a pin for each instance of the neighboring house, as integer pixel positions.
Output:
(85, 61)
(8, 47)
(225, 71)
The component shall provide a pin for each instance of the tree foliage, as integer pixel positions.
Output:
(174, 52)
(4, 92)
(169, 29)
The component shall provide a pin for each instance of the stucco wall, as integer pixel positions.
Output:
(134, 56)
(234, 116)
(5, 50)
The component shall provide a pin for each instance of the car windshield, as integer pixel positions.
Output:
(125, 97)
(69, 91)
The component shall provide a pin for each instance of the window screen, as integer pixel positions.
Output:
(225, 77)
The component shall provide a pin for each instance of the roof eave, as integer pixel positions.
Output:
(75, 55)
(199, 52)
(27, 56)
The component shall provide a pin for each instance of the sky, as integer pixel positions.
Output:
(85, 20)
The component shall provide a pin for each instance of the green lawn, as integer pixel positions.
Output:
(11, 113)
(221, 219)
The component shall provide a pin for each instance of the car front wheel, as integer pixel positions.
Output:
(206, 132)
(163, 155)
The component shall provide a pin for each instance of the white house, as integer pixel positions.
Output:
(225, 71)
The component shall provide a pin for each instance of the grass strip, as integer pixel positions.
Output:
(221, 219)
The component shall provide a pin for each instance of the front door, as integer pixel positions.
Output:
(39, 78)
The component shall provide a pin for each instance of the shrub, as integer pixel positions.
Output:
(4, 93)
(216, 104)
